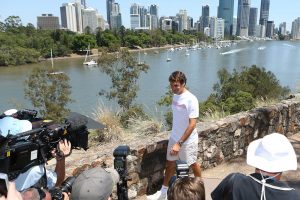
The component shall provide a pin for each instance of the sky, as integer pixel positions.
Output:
(28, 10)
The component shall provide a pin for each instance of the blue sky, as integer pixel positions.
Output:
(28, 10)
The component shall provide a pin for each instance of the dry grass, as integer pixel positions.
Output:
(265, 102)
(139, 126)
(213, 115)
(110, 118)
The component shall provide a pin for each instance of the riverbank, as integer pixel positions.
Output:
(96, 54)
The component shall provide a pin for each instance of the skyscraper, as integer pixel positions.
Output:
(143, 12)
(135, 19)
(270, 29)
(182, 19)
(115, 17)
(252, 22)
(282, 28)
(153, 10)
(83, 3)
(216, 27)
(205, 17)
(264, 12)
(225, 11)
(243, 17)
(296, 29)
(109, 5)
(89, 19)
(68, 17)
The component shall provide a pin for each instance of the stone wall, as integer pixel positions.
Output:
(219, 141)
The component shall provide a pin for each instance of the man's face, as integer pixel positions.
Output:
(177, 87)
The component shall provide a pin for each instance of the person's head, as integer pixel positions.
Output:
(35, 193)
(94, 184)
(177, 82)
(272, 154)
(187, 188)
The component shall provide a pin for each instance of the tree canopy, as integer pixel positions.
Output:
(49, 91)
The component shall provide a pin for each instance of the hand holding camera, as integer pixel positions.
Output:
(63, 149)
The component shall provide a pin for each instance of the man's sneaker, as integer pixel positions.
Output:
(158, 196)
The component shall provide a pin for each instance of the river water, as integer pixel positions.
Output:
(201, 66)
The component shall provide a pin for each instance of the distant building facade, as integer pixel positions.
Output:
(68, 17)
(282, 28)
(109, 7)
(89, 16)
(243, 17)
(252, 22)
(225, 11)
(296, 29)
(264, 12)
(115, 17)
(217, 27)
(205, 17)
(47, 22)
(270, 29)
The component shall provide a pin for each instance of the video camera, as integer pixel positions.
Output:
(120, 154)
(66, 186)
(20, 152)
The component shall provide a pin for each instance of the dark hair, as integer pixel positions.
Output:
(191, 188)
(177, 76)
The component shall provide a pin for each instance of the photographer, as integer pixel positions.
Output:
(36, 175)
(95, 184)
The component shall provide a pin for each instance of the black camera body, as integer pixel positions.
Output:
(120, 165)
(20, 152)
(66, 186)
(182, 169)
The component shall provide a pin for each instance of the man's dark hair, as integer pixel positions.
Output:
(177, 76)
(187, 188)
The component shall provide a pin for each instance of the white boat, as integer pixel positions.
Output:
(88, 60)
(140, 62)
(54, 72)
(168, 58)
(187, 52)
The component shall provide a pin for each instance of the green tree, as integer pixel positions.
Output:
(124, 72)
(81, 42)
(166, 100)
(237, 91)
(49, 91)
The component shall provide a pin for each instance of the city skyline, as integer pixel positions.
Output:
(194, 9)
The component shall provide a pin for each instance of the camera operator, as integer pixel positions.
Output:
(95, 184)
(38, 193)
(12, 193)
(36, 176)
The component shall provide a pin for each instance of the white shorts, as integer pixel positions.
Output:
(188, 152)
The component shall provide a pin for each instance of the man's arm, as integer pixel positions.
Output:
(188, 131)
(65, 149)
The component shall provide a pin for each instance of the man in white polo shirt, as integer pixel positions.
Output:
(183, 142)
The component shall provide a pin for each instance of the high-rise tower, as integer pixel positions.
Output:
(252, 22)
(243, 17)
(205, 17)
(264, 12)
(109, 7)
(225, 11)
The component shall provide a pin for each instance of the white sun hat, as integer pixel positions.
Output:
(10, 112)
(272, 153)
(13, 126)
